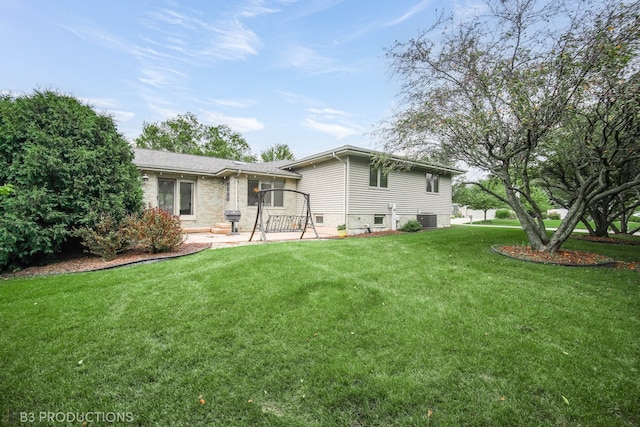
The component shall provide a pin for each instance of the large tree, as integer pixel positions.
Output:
(277, 152)
(185, 134)
(65, 165)
(497, 91)
(600, 140)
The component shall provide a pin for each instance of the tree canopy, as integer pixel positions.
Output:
(277, 152)
(185, 134)
(475, 198)
(64, 165)
(525, 90)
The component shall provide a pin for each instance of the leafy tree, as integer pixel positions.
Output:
(476, 198)
(499, 90)
(185, 134)
(607, 131)
(277, 152)
(67, 164)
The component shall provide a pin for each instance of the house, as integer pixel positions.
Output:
(343, 185)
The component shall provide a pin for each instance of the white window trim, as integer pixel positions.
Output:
(272, 183)
(378, 180)
(176, 197)
(192, 217)
(433, 177)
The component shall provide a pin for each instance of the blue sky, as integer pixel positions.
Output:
(311, 74)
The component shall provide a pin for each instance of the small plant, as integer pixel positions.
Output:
(342, 227)
(106, 239)
(157, 230)
(411, 226)
(554, 215)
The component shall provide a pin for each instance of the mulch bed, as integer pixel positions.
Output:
(76, 264)
(563, 257)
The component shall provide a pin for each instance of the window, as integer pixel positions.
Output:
(166, 190)
(186, 198)
(182, 202)
(377, 177)
(272, 198)
(227, 191)
(319, 219)
(252, 192)
(432, 183)
(378, 220)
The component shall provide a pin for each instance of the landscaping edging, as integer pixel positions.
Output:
(86, 263)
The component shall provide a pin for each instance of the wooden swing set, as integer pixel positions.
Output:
(283, 223)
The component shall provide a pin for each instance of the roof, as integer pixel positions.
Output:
(350, 150)
(166, 161)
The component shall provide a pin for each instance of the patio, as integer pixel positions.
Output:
(242, 238)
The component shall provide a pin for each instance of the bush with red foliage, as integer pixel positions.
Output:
(156, 230)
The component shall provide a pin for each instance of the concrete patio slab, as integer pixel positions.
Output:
(242, 238)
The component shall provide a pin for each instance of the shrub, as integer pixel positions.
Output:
(107, 238)
(503, 214)
(63, 161)
(156, 230)
(554, 215)
(411, 226)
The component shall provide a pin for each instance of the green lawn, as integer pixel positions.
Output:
(549, 223)
(417, 329)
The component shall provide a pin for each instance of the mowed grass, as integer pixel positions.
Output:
(549, 223)
(417, 329)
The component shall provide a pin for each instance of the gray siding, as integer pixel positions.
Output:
(407, 189)
(325, 184)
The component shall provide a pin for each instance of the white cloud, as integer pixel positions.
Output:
(109, 105)
(232, 103)
(240, 124)
(159, 77)
(310, 61)
(93, 34)
(327, 112)
(99, 102)
(335, 130)
(411, 12)
(122, 116)
(467, 9)
(193, 38)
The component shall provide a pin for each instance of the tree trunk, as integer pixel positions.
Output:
(537, 234)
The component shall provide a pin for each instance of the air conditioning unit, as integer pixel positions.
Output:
(428, 220)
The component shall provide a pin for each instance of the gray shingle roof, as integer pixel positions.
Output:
(189, 163)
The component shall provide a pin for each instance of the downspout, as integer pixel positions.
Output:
(236, 187)
(346, 188)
